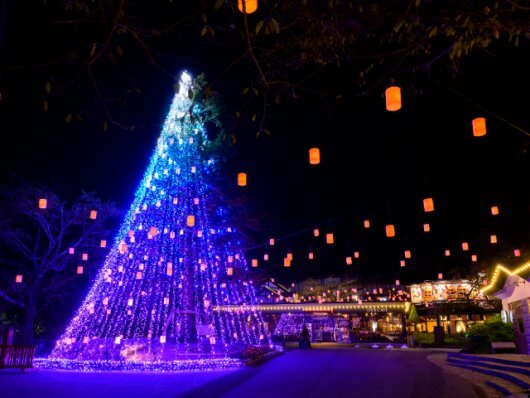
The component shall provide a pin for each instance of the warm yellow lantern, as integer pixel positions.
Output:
(349, 260)
(408, 254)
(265, 257)
(494, 210)
(465, 246)
(366, 224)
(152, 232)
(250, 6)
(474, 258)
(493, 239)
(242, 179)
(79, 270)
(447, 253)
(517, 253)
(393, 98)
(93, 214)
(390, 231)
(84, 256)
(356, 254)
(479, 126)
(316, 232)
(286, 262)
(290, 256)
(18, 279)
(103, 243)
(43, 203)
(314, 156)
(428, 205)
(229, 271)
(271, 241)
(426, 228)
(311, 256)
(440, 275)
(169, 269)
(254, 262)
(402, 263)
(190, 221)
(330, 239)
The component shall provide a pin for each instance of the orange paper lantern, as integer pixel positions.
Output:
(426, 228)
(316, 232)
(465, 246)
(79, 270)
(428, 205)
(93, 214)
(479, 126)
(390, 231)
(349, 260)
(356, 254)
(229, 271)
(330, 239)
(18, 279)
(493, 239)
(249, 7)
(402, 263)
(366, 224)
(440, 276)
(190, 221)
(103, 243)
(265, 257)
(311, 256)
(314, 156)
(43, 203)
(393, 98)
(517, 253)
(254, 262)
(474, 258)
(447, 253)
(494, 210)
(271, 241)
(242, 179)
(408, 254)
(286, 262)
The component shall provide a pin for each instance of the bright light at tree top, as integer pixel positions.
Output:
(155, 297)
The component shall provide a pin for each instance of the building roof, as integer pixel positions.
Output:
(500, 273)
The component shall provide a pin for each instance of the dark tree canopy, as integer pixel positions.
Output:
(93, 59)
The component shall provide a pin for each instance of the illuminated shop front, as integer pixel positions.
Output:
(452, 304)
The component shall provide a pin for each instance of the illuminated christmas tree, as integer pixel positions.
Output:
(158, 294)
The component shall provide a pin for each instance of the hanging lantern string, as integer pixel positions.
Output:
(496, 115)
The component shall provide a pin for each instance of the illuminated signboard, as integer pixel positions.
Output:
(457, 290)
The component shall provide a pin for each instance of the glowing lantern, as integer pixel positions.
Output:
(311, 256)
(517, 253)
(250, 6)
(465, 246)
(356, 254)
(493, 239)
(408, 254)
(71, 250)
(103, 243)
(130, 302)
(230, 259)
(393, 98)
(440, 276)
(212, 340)
(271, 241)
(494, 210)
(426, 228)
(93, 214)
(43, 203)
(169, 270)
(18, 279)
(290, 256)
(175, 201)
(330, 239)
(254, 262)
(84, 257)
(314, 156)
(163, 339)
(117, 340)
(166, 300)
(402, 263)
(152, 232)
(190, 221)
(447, 253)
(390, 231)
(79, 270)
(428, 205)
(286, 262)
(195, 201)
(139, 275)
(349, 260)
(397, 282)
(265, 257)
(316, 232)
(229, 271)
(474, 258)
(242, 179)
(366, 224)
(479, 126)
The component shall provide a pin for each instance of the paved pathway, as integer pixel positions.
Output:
(330, 371)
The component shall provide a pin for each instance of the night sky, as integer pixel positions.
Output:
(375, 164)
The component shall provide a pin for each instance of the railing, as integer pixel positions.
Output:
(16, 356)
